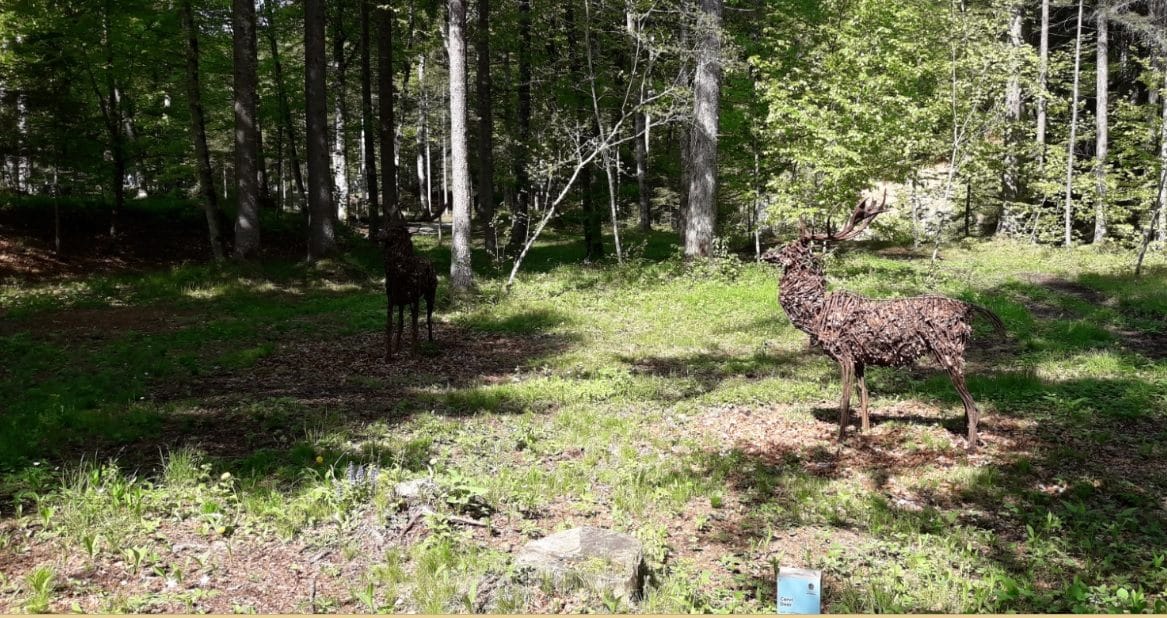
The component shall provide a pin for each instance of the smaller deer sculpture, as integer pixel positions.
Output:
(857, 332)
(408, 279)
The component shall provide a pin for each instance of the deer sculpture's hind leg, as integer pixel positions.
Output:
(413, 309)
(848, 369)
(862, 396)
(429, 314)
(389, 329)
(971, 414)
(400, 324)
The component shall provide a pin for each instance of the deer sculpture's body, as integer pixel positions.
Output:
(409, 278)
(858, 332)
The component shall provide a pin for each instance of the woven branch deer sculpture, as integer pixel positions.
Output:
(858, 332)
(409, 278)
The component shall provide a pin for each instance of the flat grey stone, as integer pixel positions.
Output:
(603, 560)
(416, 488)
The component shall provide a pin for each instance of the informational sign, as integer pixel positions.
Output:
(799, 591)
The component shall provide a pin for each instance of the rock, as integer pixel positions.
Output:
(417, 488)
(603, 560)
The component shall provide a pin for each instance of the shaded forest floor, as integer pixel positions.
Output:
(193, 438)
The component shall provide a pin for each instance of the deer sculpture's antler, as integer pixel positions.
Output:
(865, 211)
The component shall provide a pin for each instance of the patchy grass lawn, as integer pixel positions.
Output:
(227, 439)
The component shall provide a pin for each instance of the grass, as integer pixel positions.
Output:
(673, 402)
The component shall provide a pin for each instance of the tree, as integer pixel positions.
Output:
(206, 178)
(1069, 206)
(485, 132)
(321, 212)
(1043, 86)
(340, 115)
(520, 224)
(368, 122)
(1008, 223)
(285, 109)
(461, 276)
(1100, 116)
(702, 208)
(389, 207)
(246, 132)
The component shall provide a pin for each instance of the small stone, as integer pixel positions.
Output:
(416, 488)
(605, 561)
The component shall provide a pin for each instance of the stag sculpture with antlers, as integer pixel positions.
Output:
(858, 332)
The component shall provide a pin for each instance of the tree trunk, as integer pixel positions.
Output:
(367, 123)
(702, 215)
(113, 119)
(423, 121)
(246, 146)
(606, 155)
(263, 190)
(1008, 224)
(485, 132)
(461, 275)
(1069, 212)
(321, 212)
(389, 208)
(642, 171)
(340, 118)
(1101, 131)
(1163, 152)
(285, 108)
(206, 176)
(521, 217)
(593, 235)
(1043, 79)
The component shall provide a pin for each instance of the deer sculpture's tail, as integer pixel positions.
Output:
(993, 318)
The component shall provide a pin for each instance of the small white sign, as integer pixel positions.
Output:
(799, 591)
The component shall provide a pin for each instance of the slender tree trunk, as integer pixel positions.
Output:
(423, 175)
(485, 132)
(263, 190)
(321, 211)
(1008, 223)
(607, 157)
(199, 131)
(461, 275)
(340, 117)
(367, 121)
(520, 224)
(389, 207)
(702, 219)
(1163, 151)
(1043, 79)
(642, 171)
(285, 108)
(1101, 129)
(114, 121)
(246, 146)
(1069, 214)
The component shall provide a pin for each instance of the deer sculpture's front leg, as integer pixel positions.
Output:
(847, 367)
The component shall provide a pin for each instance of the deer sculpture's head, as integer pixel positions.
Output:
(395, 238)
(797, 253)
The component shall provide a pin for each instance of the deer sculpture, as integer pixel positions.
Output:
(408, 279)
(857, 332)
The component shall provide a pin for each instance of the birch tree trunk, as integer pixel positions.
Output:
(702, 212)
(206, 176)
(321, 211)
(1069, 210)
(423, 137)
(340, 116)
(461, 275)
(1101, 129)
(246, 144)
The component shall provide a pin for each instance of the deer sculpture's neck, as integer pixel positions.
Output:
(802, 289)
